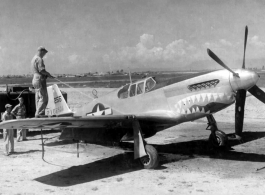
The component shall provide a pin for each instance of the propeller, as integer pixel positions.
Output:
(239, 111)
(258, 93)
(241, 93)
(215, 58)
(241, 98)
(245, 44)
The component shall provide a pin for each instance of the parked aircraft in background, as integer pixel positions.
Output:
(141, 109)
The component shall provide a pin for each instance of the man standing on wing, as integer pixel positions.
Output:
(39, 81)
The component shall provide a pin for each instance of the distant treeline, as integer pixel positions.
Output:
(109, 81)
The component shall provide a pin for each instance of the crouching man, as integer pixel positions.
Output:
(8, 134)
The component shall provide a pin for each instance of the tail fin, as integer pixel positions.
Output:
(56, 105)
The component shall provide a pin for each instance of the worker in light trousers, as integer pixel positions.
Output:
(8, 134)
(19, 112)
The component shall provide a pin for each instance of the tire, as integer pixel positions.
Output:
(150, 161)
(220, 141)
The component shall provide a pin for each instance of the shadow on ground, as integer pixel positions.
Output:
(105, 168)
(26, 152)
(124, 163)
(202, 148)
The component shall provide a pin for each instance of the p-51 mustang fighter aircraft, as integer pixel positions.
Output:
(141, 109)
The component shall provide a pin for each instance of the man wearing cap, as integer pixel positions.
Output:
(39, 81)
(19, 111)
(8, 134)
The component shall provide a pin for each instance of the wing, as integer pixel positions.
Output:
(61, 122)
(79, 122)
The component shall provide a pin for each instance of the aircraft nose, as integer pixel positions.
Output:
(246, 80)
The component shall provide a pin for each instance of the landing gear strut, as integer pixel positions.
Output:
(146, 153)
(217, 138)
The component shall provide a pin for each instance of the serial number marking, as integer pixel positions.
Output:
(57, 99)
(54, 111)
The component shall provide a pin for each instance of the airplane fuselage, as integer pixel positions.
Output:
(185, 100)
(153, 104)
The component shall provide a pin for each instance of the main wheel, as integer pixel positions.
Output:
(150, 161)
(220, 139)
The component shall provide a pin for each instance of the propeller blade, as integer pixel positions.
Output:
(245, 44)
(215, 58)
(240, 105)
(258, 93)
(239, 111)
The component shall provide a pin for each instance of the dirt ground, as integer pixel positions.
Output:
(188, 164)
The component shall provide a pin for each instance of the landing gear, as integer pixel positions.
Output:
(146, 153)
(150, 161)
(217, 138)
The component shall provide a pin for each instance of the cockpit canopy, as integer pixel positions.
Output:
(140, 87)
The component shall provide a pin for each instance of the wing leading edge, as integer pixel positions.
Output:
(78, 122)
(61, 122)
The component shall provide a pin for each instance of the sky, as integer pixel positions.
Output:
(106, 35)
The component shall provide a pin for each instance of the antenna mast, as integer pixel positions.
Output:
(130, 75)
